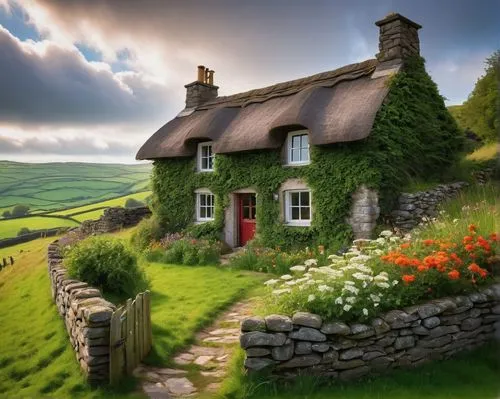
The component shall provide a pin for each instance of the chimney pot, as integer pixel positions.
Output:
(201, 73)
(211, 77)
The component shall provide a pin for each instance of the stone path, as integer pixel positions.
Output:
(202, 367)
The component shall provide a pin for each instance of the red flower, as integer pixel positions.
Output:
(408, 278)
(472, 228)
(405, 245)
(428, 242)
(468, 239)
(469, 247)
(454, 275)
(474, 268)
(494, 237)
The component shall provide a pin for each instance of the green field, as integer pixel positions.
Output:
(10, 227)
(55, 186)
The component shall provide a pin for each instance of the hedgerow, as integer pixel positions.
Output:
(413, 135)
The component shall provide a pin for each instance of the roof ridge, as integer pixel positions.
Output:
(289, 87)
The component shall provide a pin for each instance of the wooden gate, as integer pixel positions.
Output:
(130, 336)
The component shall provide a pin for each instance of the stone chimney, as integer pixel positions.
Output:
(398, 38)
(202, 90)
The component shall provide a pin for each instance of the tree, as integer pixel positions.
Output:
(133, 203)
(20, 210)
(6, 214)
(481, 112)
(23, 231)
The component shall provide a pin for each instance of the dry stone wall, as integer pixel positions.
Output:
(411, 208)
(86, 315)
(114, 219)
(408, 337)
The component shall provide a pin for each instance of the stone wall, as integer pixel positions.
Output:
(398, 38)
(399, 338)
(114, 219)
(364, 212)
(411, 208)
(86, 315)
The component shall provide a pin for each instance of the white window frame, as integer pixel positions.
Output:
(288, 209)
(289, 148)
(199, 193)
(200, 156)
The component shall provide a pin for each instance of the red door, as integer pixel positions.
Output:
(246, 217)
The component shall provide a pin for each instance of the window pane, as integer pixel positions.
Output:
(295, 141)
(210, 212)
(304, 198)
(295, 155)
(210, 162)
(204, 163)
(246, 212)
(295, 213)
(304, 154)
(305, 213)
(252, 213)
(209, 150)
(203, 212)
(203, 199)
(294, 199)
(304, 141)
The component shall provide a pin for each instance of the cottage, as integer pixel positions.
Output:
(304, 161)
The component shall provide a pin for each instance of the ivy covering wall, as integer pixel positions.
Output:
(413, 135)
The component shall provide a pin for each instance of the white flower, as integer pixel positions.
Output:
(365, 284)
(360, 258)
(291, 282)
(383, 285)
(348, 282)
(364, 269)
(350, 299)
(455, 221)
(395, 282)
(365, 311)
(362, 276)
(335, 257)
(286, 277)
(313, 270)
(271, 282)
(310, 282)
(385, 233)
(324, 288)
(352, 289)
(283, 291)
(378, 252)
(339, 301)
(311, 298)
(394, 239)
(380, 241)
(298, 268)
(301, 280)
(311, 262)
(381, 277)
(375, 298)
(308, 275)
(347, 308)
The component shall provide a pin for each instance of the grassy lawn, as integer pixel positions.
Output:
(36, 359)
(485, 153)
(10, 227)
(185, 298)
(470, 375)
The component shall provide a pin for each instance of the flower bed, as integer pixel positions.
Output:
(394, 302)
(386, 273)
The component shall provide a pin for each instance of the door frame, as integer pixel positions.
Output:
(231, 217)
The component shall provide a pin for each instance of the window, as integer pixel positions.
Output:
(205, 157)
(205, 206)
(298, 207)
(298, 148)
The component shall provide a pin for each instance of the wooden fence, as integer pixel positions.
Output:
(130, 336)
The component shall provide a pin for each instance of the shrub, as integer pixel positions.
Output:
(6, 214)
(275, 261)
(22, 231)
(20, 210)
(146, 232)
(387, 273)
(107, 264)
(133, 203)
(190, 251)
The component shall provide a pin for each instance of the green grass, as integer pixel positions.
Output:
(80, 211)
(36, 359)
(485, 153)
(53, 186)
(10, 227)
(467, 376)
(186, 298)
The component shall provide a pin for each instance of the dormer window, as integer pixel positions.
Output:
(298, 148)
(205, 157)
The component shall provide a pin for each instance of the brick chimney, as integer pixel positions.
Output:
(201, 90)
(398, 38)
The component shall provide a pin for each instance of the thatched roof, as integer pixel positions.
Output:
(335, 106)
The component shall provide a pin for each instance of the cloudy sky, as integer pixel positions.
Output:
(92, 80)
